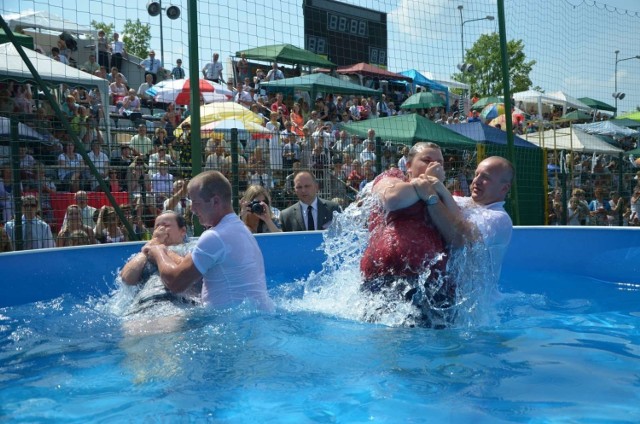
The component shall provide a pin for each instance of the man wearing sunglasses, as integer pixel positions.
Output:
(36, 234)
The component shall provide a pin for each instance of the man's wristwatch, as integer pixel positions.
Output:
(432, 199)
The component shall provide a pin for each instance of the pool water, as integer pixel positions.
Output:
(561, 355)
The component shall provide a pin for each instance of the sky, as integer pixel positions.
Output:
(572, 41)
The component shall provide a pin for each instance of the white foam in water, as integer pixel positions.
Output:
(336, 289)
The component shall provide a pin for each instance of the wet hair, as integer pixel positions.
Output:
(182, 223)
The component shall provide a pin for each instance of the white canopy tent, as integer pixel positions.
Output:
(47, 21)
(607, 128)
(12, 67)
(557, 98)
(571, 139)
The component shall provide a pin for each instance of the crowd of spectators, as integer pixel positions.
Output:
(152, 164)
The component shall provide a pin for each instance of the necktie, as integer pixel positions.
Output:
(310, 224)
(28, 235)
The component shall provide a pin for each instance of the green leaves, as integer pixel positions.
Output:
(484, 55)
(136, 37)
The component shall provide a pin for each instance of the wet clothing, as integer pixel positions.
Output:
(406, 260)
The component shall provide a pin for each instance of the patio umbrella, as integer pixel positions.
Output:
(492, 111)
(179, 91)
(245, 129)
(423, 100)
(516, 119)
(485, 101)
(222, 110)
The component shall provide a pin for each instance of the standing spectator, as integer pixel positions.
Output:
(100, 161)
(103, 49)
(170, 120)
(151, 66)
(117, 52)
(274, 73)
(73, 222)
(368, 154)
(242, 68)
(212, 71)
(36, 234)
(599, 208)
(243, 97)
(402, 162)
(279, 106)
(310, 212)
(177, 72)
(257, 213)
(6, 194)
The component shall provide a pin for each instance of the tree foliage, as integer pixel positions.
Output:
(136, 37)
(486, 79)
(108, 29)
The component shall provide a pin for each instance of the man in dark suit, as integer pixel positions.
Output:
(311, 212)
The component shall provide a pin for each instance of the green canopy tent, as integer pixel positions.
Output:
(320, 83)
(577, 115)
(409, 129)
(625, 122)
(285, 53)
(635, 116)
(423, 100)
(597, 104)
(23, 40)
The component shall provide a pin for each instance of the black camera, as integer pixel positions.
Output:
(256, 207)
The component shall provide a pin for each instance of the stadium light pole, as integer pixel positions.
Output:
(462, 22)
(616, 95)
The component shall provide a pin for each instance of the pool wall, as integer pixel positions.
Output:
(608, 254)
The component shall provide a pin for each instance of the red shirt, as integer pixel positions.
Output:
(403, 242)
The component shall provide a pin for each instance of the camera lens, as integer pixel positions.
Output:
(256, 207)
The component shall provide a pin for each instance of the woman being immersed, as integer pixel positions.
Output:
(256, 211)
(404, 245)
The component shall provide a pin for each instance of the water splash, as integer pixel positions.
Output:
(335, 290)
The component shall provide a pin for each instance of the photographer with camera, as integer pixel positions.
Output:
(257, 213)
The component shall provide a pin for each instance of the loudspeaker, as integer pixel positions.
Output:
(173, 12)
(153, 7)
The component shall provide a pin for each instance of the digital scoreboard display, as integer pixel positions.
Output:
(345, 34)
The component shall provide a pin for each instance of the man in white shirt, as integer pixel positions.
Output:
(117, 52)
(100, 161)
(212, 71)
(274, 73)
(151, 66)
(226, 257)
(36, 234)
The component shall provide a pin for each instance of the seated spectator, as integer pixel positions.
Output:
(146, 99)
(72, 170)
(42, 184)
(91, 66)
(27, 163)
(118, 91)
(216, 159)
(131, 106)
(36, 234)
(73, 222)
(107, 228)
(141, 144)
(257, 213)
(120, 160)
(138, 181)
(162, 182)
(69, 106)
(170, 120)
(160, 137)
(159, 156)
(101, 161)
(259, 177)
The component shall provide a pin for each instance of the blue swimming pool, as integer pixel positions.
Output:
(564, 346)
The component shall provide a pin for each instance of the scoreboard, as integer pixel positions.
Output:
(345, 34)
